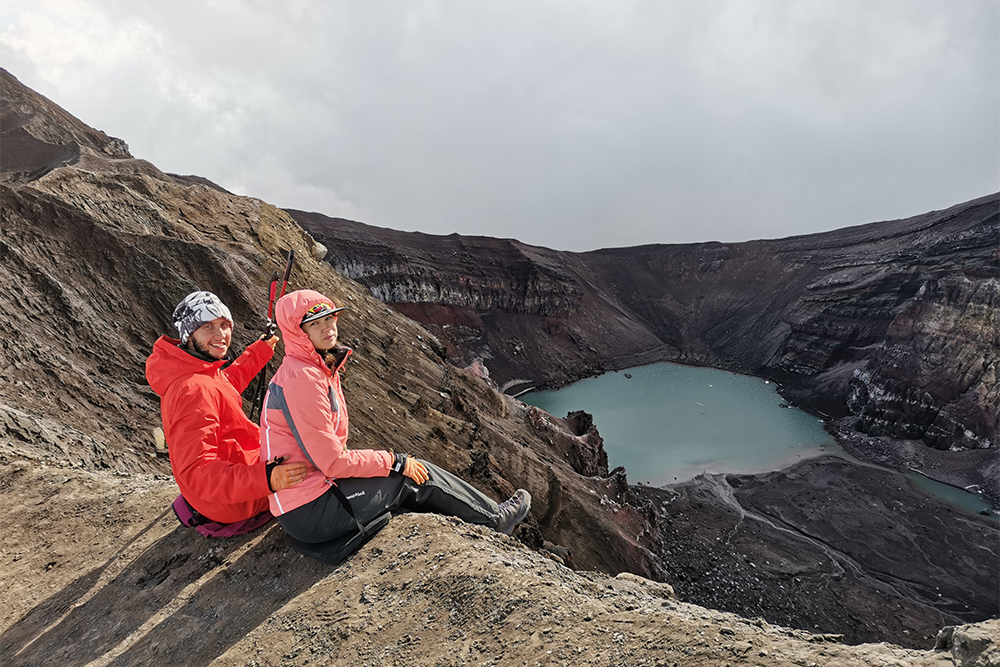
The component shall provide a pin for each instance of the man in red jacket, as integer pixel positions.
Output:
(214, 448)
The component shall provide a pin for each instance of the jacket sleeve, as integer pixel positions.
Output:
(308, 403)
(242, 371)
(193, 438)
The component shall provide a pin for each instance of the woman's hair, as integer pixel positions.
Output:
(334, 356)
(329, 358)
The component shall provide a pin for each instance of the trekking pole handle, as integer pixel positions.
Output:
(288, 271)
(271, 325)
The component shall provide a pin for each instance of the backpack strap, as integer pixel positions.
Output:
(276, 400)
(350, 510)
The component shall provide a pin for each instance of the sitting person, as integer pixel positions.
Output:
(214, 449)
(305, 420)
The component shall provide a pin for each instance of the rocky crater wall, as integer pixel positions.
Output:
(893, 323)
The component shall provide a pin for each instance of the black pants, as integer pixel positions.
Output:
(324, 519)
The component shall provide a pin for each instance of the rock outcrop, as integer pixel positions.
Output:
(101, 246)
(933, 378)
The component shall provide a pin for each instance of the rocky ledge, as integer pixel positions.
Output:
(141, 590)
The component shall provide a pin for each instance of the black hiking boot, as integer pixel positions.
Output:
(513, 511)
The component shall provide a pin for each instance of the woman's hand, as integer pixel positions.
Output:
(415, 470)
(272, 341)
(286, 475)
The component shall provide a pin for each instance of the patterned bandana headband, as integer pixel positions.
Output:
(196, 309)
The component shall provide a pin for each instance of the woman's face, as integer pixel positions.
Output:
(322, 332)
(212, 339)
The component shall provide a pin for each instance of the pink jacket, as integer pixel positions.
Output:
(305, 408)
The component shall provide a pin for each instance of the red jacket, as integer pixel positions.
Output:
(308, 392)
(214, 448)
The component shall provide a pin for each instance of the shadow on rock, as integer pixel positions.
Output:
(27, 630)
(217, 613)
(236, 600)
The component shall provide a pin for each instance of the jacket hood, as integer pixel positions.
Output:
(168, 362)
(289, 312)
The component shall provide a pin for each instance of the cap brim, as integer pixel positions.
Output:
(325, 313)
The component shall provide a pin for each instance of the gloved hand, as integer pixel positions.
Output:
(272, 341)
(415, 470)
(284, 476)
(410, 467)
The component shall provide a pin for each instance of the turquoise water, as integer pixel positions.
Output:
(669, 423)
(972, 502)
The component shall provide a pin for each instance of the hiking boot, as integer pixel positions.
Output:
(513, 511)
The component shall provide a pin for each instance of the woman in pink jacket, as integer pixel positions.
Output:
(305, 419)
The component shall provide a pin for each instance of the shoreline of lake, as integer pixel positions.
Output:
(702, 443)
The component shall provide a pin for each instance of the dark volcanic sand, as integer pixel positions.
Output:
(833, 545)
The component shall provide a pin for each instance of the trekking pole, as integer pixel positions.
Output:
(269, 329)
(260, 388)
(288, 272)
(258, 382)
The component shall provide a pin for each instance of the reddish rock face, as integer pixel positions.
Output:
(936, 353)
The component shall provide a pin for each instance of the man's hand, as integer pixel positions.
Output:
(287, 475)
(415, 470)
(272, 341)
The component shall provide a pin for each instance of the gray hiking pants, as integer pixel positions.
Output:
(324, 519)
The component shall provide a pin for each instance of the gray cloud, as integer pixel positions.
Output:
(565, 124)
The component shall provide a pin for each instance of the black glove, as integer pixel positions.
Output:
(399, 465)
(271, 466)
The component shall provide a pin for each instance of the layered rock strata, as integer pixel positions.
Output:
(893, 323)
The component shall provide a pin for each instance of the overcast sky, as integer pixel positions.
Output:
(571, 124)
